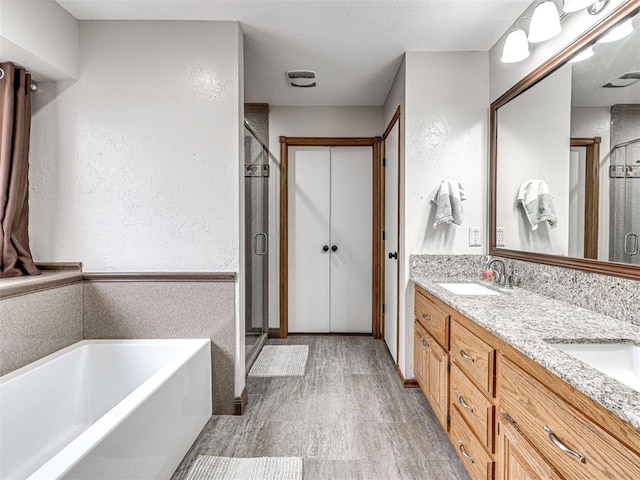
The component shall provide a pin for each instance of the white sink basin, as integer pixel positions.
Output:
(618, 360)
(468, 289)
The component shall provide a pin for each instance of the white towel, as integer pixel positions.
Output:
(448, 200)
(537, 203)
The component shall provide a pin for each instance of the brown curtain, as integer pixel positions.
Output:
(15, 126)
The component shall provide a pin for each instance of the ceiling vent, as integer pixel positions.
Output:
(623, 80)
(301, 78)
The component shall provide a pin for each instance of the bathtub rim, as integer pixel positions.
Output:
(72, 453)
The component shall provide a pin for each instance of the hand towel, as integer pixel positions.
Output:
(448, 200)
(537, 203)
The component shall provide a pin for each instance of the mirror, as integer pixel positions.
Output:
(565, 156)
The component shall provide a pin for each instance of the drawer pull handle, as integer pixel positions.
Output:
(426, 317)
(463, 451)
(463, 403)
(562, 446)
(466, 355)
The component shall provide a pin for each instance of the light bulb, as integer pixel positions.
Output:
(516, 47)
(575, 5)
(621, 31)
(545, 23)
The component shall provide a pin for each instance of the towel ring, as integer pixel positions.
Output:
(1, 74)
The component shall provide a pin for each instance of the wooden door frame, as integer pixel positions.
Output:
(374, 143)
(395, 119)
(591, 194)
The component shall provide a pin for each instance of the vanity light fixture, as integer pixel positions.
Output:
(621, 31)
(516, 47)
(583, 55)
(545, 22)
(575, 5)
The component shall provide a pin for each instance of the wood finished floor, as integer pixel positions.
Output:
(348, 417)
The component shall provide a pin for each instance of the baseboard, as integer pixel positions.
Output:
(240, 403)
(274, 333)
(407, 383)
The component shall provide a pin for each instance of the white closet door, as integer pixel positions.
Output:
(309, 266)
(351, 232)
(391, 242)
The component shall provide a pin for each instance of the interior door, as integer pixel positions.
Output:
(351, 246)
(309, 233)
(391, 145)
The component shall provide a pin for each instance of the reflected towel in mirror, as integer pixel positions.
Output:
(448, 200)
(537, 203)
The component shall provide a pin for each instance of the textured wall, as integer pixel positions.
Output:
(35, 325)
(170, 310)
(446, 132)
(135, 167)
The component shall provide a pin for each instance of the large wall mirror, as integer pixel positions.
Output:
(565, 155)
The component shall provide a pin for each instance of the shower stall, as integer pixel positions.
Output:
(256, 187)
(625, 202)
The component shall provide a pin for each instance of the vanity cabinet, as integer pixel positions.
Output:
(508, 417)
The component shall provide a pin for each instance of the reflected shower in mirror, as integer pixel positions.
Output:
(567, 156)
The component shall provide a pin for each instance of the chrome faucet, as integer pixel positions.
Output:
(500, 278)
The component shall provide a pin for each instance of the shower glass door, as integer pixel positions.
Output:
(625, 219)
(256, 172)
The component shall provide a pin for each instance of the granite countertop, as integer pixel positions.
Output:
(526, 321)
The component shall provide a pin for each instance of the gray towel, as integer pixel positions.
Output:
(448, 200)
(537, 203)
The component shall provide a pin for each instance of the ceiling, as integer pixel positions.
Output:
(609, 61)
(354, 46)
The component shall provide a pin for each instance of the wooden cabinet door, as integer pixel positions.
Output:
(419, 354)
(518, 460)
(438, 381)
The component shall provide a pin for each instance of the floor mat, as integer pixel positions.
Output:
(280, 361)
(265, 468)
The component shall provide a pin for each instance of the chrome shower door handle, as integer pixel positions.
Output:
(634, 238)
(255, 244)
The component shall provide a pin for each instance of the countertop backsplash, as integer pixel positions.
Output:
(612, 296)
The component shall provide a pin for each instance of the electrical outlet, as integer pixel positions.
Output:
(474, 237)
(500, 237)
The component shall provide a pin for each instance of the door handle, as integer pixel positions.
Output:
(255, 244)
(393, 255)
(634, 250)
(325, 248)
(334, 248)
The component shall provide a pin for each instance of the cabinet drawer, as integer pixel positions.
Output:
(474, 357)
(434, 320)
(477, 462)
(474, 407)
(551, 424)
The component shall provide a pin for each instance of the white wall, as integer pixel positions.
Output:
(41, 36)
(135, 167)
(533, 143)
(504, 75)
(446, 133)
(596, 122)
(306, 122)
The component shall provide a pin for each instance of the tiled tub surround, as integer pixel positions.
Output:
(158, 309)
(44, 320)
(611, 296)
(524, 320)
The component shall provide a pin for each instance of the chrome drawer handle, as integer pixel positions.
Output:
(562, 446)
(463, 451)
(426, 317)
(463, 403)
(466, 355)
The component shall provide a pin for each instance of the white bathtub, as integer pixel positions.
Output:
(105, 409)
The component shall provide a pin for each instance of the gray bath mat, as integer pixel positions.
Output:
(280, 361)
(266, 468)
